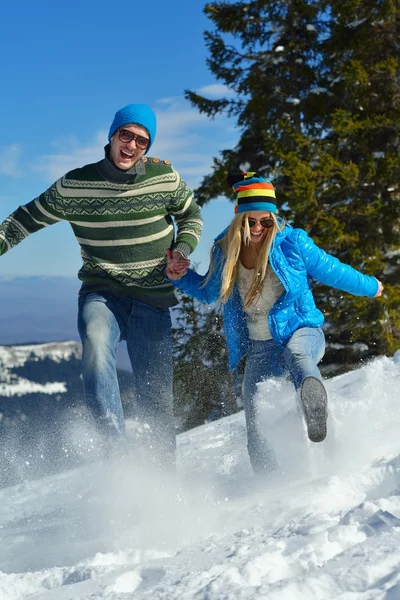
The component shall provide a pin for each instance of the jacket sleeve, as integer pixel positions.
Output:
(27, 219)
(192, 283)
(330, 270)
(187, 218)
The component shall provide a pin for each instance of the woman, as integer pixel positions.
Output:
(260, 270)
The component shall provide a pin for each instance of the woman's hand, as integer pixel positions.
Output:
(177, 264)
(380, 289)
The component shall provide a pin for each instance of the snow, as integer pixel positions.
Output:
(21, 387)
(356, 23)
(16, 356)
(326, 526)
(393, 253)
(12, 357)
(319, 90)
(293, 100)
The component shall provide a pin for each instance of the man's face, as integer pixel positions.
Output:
(125, 154)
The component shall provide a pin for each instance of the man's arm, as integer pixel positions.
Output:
(27, 219)
(187, 217)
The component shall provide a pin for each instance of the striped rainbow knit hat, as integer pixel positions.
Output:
(252, 192)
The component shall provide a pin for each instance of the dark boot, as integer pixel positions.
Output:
(314, 401)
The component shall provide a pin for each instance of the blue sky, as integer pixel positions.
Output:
(66, 69)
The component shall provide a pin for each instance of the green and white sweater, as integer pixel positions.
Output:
(123, 223)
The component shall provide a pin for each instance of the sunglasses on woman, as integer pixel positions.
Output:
(265, 223)
(127, 136)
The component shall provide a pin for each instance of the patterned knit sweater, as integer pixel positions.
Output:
(123, 223)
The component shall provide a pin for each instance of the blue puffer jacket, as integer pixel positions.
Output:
(294, 258)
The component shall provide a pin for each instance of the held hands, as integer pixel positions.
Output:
(177, 264)
(380, 289)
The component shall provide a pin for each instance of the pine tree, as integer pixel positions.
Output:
(361, 204)
(267, 53)
(203, 387)
(317, 105)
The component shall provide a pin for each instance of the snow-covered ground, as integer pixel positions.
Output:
(327, 526)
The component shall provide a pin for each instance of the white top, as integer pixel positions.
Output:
(257, 313)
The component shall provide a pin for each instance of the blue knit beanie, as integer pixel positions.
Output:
(141, 114)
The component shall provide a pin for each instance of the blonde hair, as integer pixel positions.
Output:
(231, 245)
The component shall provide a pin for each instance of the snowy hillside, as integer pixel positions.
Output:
(327, 526)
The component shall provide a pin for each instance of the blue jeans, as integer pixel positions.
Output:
(265, 359)
(103, 321)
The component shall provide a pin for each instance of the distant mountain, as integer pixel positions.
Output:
(38, 309)
(41, 405)
(42, 309)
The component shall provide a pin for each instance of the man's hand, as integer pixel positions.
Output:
(177, 264)
(380, 289)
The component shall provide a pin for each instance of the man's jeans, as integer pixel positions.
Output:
(103, 321)
(265, 359)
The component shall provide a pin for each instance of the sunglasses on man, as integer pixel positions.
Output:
(265, 223)
(127, 136)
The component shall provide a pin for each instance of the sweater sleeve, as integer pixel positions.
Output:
(29, 218)
(330, 270)
(187, 218)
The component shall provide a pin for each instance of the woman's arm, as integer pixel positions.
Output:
(330, 270)
(194, 284)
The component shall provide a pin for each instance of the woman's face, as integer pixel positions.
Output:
(259, 223)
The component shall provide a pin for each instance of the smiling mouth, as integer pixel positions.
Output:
(126, 155)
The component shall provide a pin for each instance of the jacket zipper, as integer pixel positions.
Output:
(279, 300)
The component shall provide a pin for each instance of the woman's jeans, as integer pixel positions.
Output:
(103, 321)
(265, 359)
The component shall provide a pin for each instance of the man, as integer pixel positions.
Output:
(121, 210)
